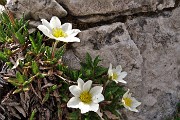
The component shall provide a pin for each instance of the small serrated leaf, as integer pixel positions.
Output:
(20, 77)
(96, 61)
(20, 37)
(35, 68)
(89, 60)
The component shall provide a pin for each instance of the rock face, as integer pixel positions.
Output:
(159, 44)
(149, 50)
(36, 9)
(105, 9)
(147, 47)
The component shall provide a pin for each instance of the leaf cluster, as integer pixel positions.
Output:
(39, 71)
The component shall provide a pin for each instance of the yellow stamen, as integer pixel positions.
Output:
(86, 97)
(58, 32)
(128, 101)
(115, 76)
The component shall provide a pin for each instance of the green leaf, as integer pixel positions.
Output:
(59, 53)
(34, 46)
(73, 115)
(20, 37)
(20, 77)
(100, 71)
(96, 61)
(3, 57)
(89, 60)
(46, 97)
(35, 68)
(33, 114)
(14, 82)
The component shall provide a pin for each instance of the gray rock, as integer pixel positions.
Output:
(159, 44)
(114, 45)
(149, 50)
(36, 9)
(104, 8)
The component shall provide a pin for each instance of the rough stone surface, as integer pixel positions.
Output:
(149, 50)
(159, 43)
(104, 8)
(36, 9)
(147, 47)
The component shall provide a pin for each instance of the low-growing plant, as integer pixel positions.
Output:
(34, 66)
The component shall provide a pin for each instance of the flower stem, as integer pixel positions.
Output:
(104, 86)
(54, 47)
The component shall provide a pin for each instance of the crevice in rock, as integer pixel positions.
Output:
(166, 12)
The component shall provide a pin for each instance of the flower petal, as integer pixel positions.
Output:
(55, 22)
(84, 107)
(126, 94)
(75, 90)
(94, 107)
(96, 90)
(133, 109)
(66, 27)
(87, 85)
(45, 31)
(80, 83)
(73, 32)
(73, 102)
(46, 23)
(121, 80)
(122, 74)
(118, 68)
(110, 72)
(98, 98)
(72, 39)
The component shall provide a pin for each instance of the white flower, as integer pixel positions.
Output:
(2, 9)
(85, 98)
(116, 74)
(55, 30)
(129, 102)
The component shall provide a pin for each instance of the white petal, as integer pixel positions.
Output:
(84, 107)
(66, 27)
(121, 80)
(110, 70)
(73, 102)
(80, 83)
(94, 107)
(98, 98)
(87, 85)
(73, 32)
(45, 31)
(135, 102)
(133, 109)
(75, 90)
(96, 90)
(46, 23)
(61, 39)
(72, 39)
(118, 68)
(122, 74)
(126, 94)
(55, 22)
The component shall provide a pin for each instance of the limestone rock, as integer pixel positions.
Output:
(36, 9)
(159, 44)
(114, 45)
(104, 8)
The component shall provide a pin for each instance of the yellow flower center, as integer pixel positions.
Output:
(58, 32)
(115, 76)
(86, 97)
(128, 101)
